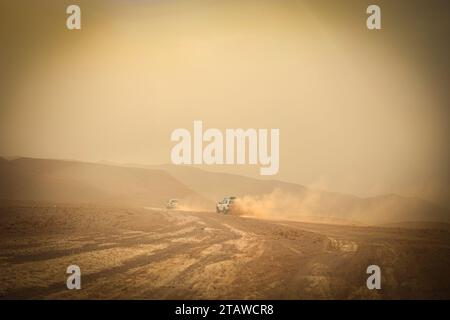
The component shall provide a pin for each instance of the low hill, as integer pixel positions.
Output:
(78, 182)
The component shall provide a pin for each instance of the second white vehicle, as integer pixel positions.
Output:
(172, 204)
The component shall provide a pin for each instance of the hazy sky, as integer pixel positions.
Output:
(359, 111)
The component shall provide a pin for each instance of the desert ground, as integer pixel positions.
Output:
(151, 253)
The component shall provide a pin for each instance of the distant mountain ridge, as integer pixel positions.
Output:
(81, 182)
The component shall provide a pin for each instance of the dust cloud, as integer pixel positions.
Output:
(327, 207)
(279, 205)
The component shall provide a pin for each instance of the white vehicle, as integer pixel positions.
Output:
(172, 204)
(226, 205)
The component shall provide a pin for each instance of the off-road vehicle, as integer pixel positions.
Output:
(227, 205)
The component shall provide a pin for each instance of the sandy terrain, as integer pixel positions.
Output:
(158, 254)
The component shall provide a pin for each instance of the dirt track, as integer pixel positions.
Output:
(158, 254)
